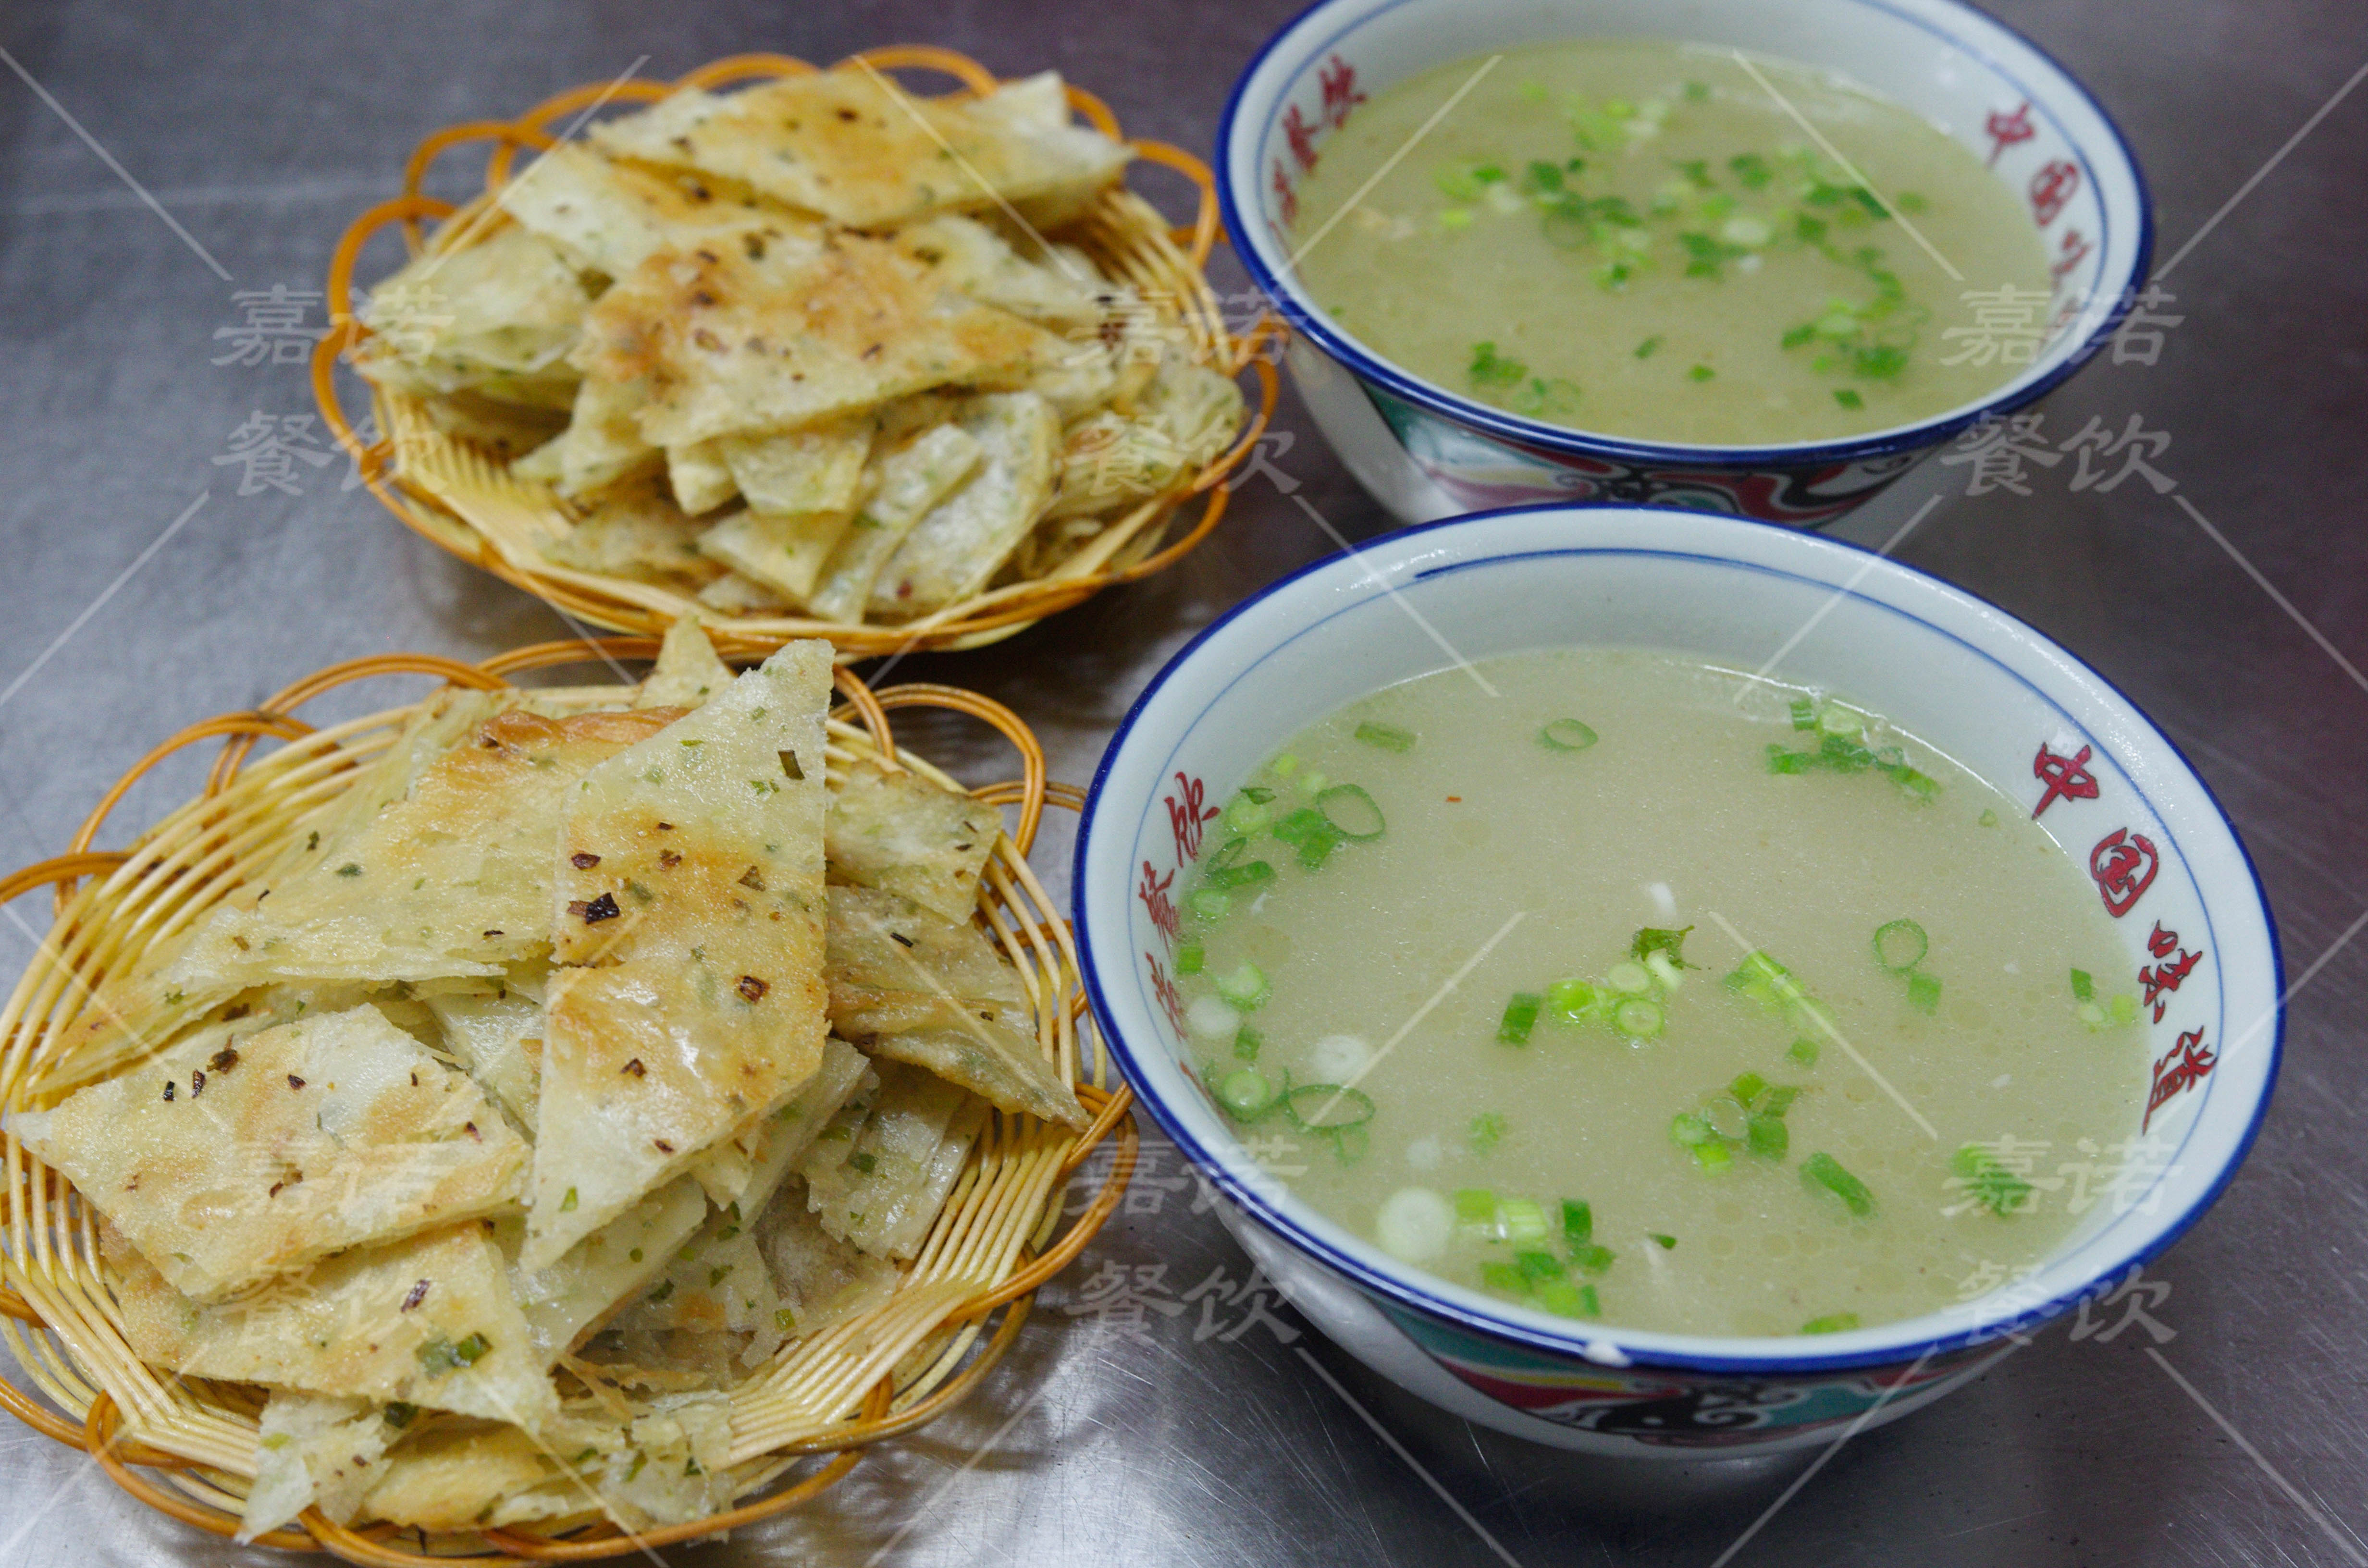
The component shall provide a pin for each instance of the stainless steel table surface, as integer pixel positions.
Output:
(1210, 1433)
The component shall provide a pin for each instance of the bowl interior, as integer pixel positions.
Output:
(1979, 81)
(1963, 675)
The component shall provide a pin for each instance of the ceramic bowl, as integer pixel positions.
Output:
(1426, 453)
(1969, 679)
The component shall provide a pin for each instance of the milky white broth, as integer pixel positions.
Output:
(1671, 817)
(1637, 238)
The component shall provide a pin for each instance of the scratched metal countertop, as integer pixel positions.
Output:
(1202, 1422)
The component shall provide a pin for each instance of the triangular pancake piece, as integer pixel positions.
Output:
(881, 1189)
(952, 551)
(726, 343)
(718, 1281)
(616, 1261)
(904, 835)
(430, 1321)
(1185, 415)
(893, 965)
(913, 476)
(786, 554)
(700, 479)
(1001, 1065)
(972, 259)
(850, 145)
(821, 1280)
(734, 1167)
(732, 594)
(456, 1477)
(505, 430)
(918, 989)
(666, 1462)
(602, 444)
(452, 878)
(687, 671)
(690, 873)
(786, 473)
(137, 1009)
(636, 531)
(496, 316)
(612, 216)
(235, 1167)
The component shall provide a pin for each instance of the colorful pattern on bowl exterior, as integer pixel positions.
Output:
(2202, 954)
(2034, 126)
(1651, 1406)
(1482, 473)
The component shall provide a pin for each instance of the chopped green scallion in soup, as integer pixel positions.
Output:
(1640, 239)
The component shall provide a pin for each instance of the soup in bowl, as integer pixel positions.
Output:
(1756, 259)
(1652, 983)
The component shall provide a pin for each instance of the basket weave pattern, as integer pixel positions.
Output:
(813, 1408)
(456, 496)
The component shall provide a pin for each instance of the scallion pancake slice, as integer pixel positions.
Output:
(901, 834)
(228, 1167)
(951, 554)
(688, 920)
(452, 878)
(849, 144)
(618, 1260)
(881, 1188)
(725, 344)
(430, 1321)
(314, 1450)
(612, 216)
(686, 673)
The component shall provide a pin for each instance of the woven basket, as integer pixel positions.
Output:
(463, 499)
(811, 1411)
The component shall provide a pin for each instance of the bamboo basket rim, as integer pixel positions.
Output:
(88, 1415)
(989, 615)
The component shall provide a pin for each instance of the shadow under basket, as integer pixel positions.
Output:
(462, 498)
(800, 1422)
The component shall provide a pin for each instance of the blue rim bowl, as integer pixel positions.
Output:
(1967, 677)
(1425, 452)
